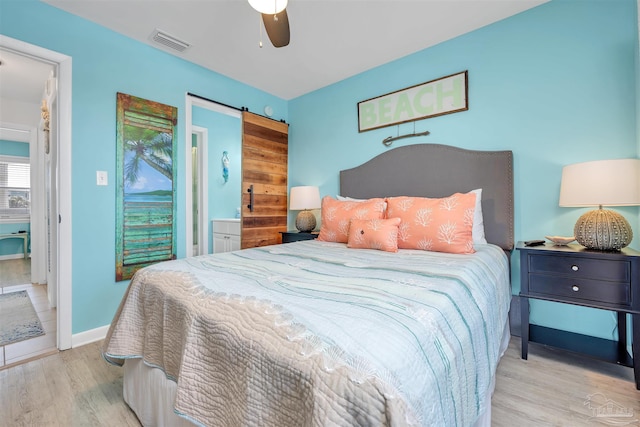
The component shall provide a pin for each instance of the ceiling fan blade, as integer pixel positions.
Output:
(277, 27)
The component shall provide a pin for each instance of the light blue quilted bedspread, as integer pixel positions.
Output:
(424, 327)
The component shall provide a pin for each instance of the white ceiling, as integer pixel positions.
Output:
(22, 86)
(21, 78)
(330, 39)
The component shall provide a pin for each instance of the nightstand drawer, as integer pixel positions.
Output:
(580, 288)
(294, 236)
(597, 269)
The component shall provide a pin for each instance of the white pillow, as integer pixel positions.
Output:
(477, 231)
(349, 199)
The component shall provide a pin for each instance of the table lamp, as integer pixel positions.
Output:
(602, 183)
(302, 199)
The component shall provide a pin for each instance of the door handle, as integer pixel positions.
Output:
(250, 191)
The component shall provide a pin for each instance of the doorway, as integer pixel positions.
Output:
(25, 273)
(213, 129)
(199, 178)
(59, 232)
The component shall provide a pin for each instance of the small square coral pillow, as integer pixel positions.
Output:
(380, 234)
(440, 225)
(336, 216)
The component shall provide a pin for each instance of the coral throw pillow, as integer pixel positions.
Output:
(380, 234)
(440, 225)
(336, 216)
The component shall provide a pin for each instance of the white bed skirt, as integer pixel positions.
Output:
(150, 394)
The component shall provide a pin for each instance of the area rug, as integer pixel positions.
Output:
(18, 318)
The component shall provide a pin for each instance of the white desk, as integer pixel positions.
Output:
(23, 236)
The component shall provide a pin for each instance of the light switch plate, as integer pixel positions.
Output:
(101, 178)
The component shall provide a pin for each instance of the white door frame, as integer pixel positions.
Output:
(38, 212)
(190, 102)
(64, 226)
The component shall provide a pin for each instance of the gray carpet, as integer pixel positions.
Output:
(18, 318)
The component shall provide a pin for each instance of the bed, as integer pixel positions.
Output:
(319, 333)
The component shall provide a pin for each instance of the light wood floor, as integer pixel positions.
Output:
(78, 388)
(15, 272)
(15, 275)
(71, 388)
(555, 388)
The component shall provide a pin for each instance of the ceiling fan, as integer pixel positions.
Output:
(275, 20)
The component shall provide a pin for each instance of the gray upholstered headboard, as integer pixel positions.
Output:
(434, 170)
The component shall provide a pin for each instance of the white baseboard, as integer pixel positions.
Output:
(12, 256)
(87, 337)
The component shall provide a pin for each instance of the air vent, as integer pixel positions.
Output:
(169, 41)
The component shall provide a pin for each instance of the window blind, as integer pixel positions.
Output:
(15, 187)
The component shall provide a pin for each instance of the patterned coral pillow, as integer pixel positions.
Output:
(336, 216)
(380, 234)
(440, 225)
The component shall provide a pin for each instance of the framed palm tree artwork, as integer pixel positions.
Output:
(146, 177)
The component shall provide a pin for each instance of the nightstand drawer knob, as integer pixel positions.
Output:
(575, 267)
(575, 288)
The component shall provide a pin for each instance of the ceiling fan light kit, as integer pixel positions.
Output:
(275, 20)
(269, 7)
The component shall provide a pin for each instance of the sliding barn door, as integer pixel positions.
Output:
(264, 180)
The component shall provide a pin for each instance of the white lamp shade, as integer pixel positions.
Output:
(304, 197)
(270, 7)
(602, 182)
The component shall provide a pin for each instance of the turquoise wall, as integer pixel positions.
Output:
(105, 63)
(13, 246)
(14, 148)
(637, 58)
(553, 84)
